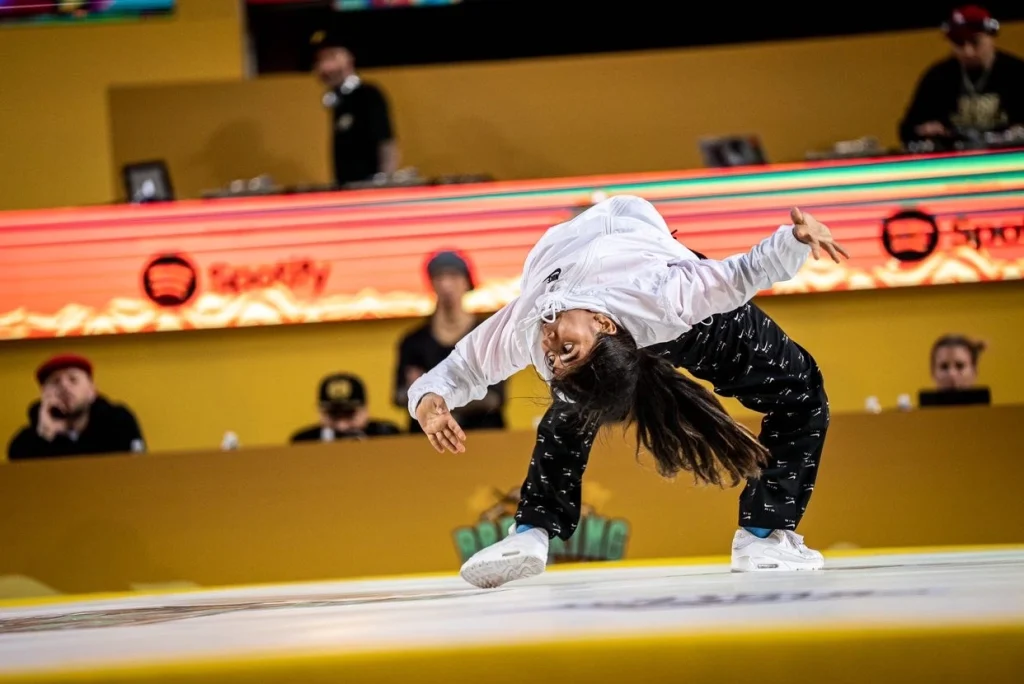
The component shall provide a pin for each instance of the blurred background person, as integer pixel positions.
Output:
(430, 344)
(71, 418)
(364, 142)
(341, 400)
(955, 362)
(954, 366)
(977, 90)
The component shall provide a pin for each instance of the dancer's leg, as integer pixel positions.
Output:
(745, 355)
(549, 506)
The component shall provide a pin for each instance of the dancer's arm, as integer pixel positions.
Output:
(699, 289)
(484, 357)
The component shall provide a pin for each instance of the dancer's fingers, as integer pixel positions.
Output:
(815, 249)
(831, 249)
(841, 250)
(449, 438)
(796, 216)
(444, 442)
(456, 443)
(457, 429)
(434, 443)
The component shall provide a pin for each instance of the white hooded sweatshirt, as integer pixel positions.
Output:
(617, 258)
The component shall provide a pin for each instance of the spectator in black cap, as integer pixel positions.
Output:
(364, 142)
(71, 418)
(343, 413)
(430, 344)
(977, 90)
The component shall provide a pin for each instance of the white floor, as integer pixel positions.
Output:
(961, 588)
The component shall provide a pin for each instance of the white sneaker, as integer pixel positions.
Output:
(781, 550)
(515, 557)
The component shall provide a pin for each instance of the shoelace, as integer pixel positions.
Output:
(796, 540)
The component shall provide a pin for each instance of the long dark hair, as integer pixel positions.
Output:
(681, 424)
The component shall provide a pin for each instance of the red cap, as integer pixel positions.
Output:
(60, 362)
(968, 20)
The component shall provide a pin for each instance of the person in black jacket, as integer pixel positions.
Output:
(71, 418)
(975, 91)
(343, 413)
(363, 136)
(430, 344)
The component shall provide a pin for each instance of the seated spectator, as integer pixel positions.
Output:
(954, 366)
(430, 344)
(955, 362)
(71, 418)
(975, 91)
(343, 413)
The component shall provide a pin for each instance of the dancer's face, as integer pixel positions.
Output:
(568, 340)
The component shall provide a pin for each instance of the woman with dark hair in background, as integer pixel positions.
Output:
(610, 306)
(955, 362)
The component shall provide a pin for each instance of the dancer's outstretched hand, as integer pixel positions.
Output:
(809, 231)
(439, 425)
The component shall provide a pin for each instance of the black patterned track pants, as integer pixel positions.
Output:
(743, 354)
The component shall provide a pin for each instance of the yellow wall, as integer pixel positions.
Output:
(189, 388)
(547, 117)
(54, 128)
(215, 133)
(273, 515)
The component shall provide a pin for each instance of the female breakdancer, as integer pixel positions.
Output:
(610, 306)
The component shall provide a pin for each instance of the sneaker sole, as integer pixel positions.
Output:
(747, 564)
(494, 572)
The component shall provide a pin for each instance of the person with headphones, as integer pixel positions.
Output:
(974, 92)
(364, 141)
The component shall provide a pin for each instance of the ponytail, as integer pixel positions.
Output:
(682, 425)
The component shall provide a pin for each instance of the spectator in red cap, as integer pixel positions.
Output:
(71, 418)
(977, 90)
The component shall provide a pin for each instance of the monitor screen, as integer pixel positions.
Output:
(75, 11)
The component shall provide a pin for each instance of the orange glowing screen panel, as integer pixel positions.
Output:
(342, 256)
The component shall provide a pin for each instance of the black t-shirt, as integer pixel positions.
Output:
(112, 428)
(375, 428)
(419, 349)
(944, 95)
(361, 123)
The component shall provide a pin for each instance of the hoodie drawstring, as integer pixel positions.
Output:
(550, 304)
